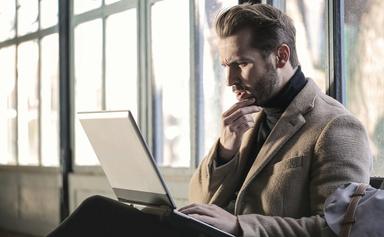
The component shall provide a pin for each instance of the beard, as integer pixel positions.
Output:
(263, 88)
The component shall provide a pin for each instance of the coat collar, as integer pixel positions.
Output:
(289, 123)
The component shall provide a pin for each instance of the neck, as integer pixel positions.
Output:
(286, 73)
(290, 89)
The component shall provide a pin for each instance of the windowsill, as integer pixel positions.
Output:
(165, 171)
(29, 169)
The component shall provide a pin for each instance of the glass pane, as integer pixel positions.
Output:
(217, 96)
(48, 13)
(88, 78)
(309, 18)
(8, 118)
(27, 16)
(171, 74)
(364, 55)
(85, 5)
(121, 72)
(7, 19)
(28, 103)
(49, 89)
(88, 61)
(110, 1)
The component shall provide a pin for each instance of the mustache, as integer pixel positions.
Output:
(238, 87)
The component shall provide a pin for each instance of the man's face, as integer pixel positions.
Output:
(247, 72)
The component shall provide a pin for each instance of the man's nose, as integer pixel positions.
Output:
(232, 76)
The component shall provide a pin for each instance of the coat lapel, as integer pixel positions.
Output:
(289, 123)
(248, 139)
(285, 128)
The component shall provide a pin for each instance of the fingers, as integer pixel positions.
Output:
(200, 209)
(242, 127)
(238, 105)
(245, 112)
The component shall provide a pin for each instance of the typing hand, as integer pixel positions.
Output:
(213, 215)
(235, 122)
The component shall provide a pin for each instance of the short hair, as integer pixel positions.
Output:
(269, 27)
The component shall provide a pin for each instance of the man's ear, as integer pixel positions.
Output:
(283, 53)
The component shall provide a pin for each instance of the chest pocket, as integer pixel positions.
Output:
(287, 164)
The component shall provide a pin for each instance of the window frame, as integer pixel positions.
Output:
(16, 40)
(146, 118)
(102, 12)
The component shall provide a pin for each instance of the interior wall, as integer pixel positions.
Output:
(30, 200)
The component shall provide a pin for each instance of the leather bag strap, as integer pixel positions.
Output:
(349, 217)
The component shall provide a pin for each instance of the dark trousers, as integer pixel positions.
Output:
(104, 217)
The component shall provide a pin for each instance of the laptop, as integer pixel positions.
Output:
(130, 168)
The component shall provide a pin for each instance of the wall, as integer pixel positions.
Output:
(29, 201)
(30, 198)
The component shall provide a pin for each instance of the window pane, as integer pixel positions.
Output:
(49, 88)
(85, 5)
(8, 145)
(48, 13)
(88, 78)
(110, 1)
(88, 59)
(7, 19)
(364, 54)
(28, 103)
(170, 48)
(217, 96)
(27, 21)
(309, 18)
(121, 61)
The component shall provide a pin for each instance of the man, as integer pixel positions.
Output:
(284, 146)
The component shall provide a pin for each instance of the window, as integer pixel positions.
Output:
(28, 103)
(49, 104)
(217, 96)
(8, 142)
(309, 18)
(29, 98)
(105, 64)
(108, 76)
(171, 74)
(364, 56)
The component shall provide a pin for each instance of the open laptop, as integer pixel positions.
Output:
(130, 168)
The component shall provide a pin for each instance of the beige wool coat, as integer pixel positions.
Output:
(315, 146)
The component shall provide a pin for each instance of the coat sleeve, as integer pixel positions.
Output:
(341, 155)
(210, 181)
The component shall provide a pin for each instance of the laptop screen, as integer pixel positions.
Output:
(125, 158)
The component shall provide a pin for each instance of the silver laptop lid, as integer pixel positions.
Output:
(125, 158)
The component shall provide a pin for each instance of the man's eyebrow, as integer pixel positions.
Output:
(235, 61)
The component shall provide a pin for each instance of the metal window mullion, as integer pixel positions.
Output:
(103, 62)
(196, 84)
(39, 82)
(155, 129)
(29, 36)
(336, 77)
(17, 86)
(103, 11)
(144, 78)
(65, 104)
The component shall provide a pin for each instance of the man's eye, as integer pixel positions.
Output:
(242, 64)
